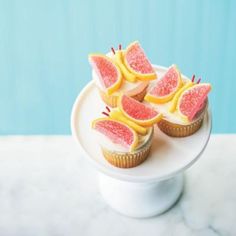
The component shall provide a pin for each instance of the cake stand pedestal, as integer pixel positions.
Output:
(140, 200)
(150, 188)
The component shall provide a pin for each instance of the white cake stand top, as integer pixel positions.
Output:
(168, 157)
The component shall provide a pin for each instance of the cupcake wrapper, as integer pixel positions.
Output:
(129, 159)
(176, 130)
(140, 96)
(111, 100)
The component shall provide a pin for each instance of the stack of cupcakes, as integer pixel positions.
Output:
(124, 79)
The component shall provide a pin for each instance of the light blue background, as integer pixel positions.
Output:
(44, 46)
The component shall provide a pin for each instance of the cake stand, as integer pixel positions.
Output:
(150, 188)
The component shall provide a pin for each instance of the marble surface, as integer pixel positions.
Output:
(48, 188)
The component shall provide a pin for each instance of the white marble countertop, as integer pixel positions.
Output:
(47, 188)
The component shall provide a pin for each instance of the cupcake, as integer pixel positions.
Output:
(182, 102)
(122, 71)
(121, 145)
(126, 134)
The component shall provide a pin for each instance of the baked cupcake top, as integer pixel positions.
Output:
(180, 100)
(122, 70)
(128, 127)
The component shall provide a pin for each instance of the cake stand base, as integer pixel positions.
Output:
(141, 200)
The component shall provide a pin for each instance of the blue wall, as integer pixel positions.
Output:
(44, 46)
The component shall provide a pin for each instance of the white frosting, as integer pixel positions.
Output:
(170, 116)
(105, 142)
